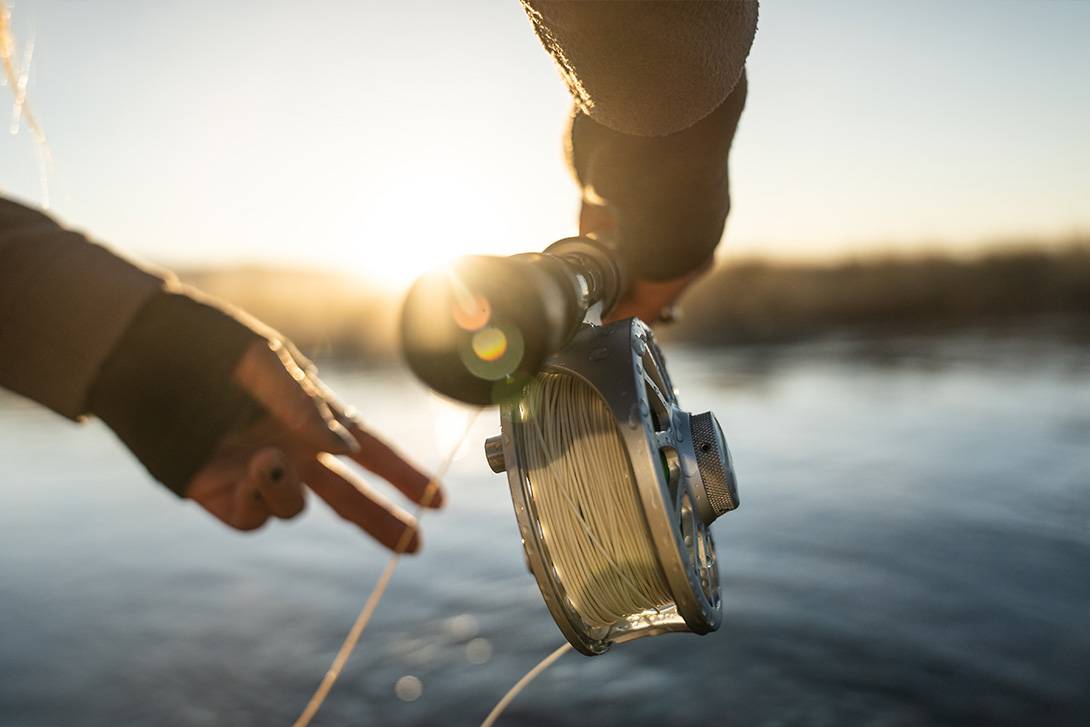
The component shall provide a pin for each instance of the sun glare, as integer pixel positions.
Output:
(418, 218)
(449, 423)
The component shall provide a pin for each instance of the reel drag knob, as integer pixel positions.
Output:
(718, 490)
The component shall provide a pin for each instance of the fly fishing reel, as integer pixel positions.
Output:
(614, 484)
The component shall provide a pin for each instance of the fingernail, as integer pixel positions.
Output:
(351, 416)
(345, 437)
(415, 541)
(433, 497)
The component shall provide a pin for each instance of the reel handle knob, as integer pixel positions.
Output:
(719, 491)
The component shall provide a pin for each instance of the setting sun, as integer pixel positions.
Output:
(420, 216)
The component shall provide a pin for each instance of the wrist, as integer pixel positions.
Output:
(663, 199)
(167, 388)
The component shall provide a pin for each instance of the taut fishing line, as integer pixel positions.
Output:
(380, 587)
(18, 77)
(521, 684)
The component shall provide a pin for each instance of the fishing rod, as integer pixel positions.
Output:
(614, 485)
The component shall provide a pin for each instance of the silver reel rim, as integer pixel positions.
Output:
(657, 439)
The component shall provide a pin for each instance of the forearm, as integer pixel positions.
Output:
(84, 331)
(168, 388)
(646, 67)
(659, 87)
(64, 304)
(667, 196)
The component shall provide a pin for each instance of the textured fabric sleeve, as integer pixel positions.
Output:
(659, 87)
(83, 330)
(168, 389)
(646, 67)
(668, 195)
(64, 303)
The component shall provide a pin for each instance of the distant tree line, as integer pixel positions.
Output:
(761, 301)
(740, 302)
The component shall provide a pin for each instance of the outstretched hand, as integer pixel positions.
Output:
(264, 469)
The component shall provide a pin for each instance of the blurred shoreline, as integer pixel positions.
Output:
(1029, 290)
(1032, 290)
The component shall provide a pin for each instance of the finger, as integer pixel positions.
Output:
(273, 377)
(274, 481)
(377, 456)
(222, 488)
(595, 218)
(237, 504)
(382, 459)
(235, 511)
(648, 299)
(248, 510)
(357, 503)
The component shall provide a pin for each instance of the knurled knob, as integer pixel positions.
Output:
(714, 463)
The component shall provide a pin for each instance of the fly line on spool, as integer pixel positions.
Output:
(614, 487)
(588, 506)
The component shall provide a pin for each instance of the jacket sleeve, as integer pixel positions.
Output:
(646, 67)
(85, 331)
(668, 196)
(659, 88)
(64, 303)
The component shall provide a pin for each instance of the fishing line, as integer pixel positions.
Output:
(588, 508)
(588, 505)
(18, 77)
(521, 684)
(614, 487)
(380, 587)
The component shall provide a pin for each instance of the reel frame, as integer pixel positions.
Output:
(624, 365)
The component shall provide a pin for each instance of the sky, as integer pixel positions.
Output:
(379, 138)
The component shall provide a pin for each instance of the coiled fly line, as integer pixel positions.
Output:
(588, 506)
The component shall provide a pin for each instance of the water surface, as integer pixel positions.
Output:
(912, 549)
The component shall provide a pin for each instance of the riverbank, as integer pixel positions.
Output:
(1021, 290)
(1033, 289)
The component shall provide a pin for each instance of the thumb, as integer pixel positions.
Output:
(270, 374)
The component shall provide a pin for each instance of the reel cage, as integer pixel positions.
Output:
(682, 485)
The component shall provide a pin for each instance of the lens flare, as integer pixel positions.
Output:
(489, 343)
(471, 313)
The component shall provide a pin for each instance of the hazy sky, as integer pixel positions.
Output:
(379, 136)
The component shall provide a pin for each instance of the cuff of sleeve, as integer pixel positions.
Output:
(668, 196)
(167, 389)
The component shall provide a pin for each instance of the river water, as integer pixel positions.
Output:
(913, 548)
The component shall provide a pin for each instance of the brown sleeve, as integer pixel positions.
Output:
(668, 195)
(85, 331)
(168, 389)
(646, 67)
(64, 303)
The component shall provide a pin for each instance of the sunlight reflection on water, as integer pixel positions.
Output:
(912, 549)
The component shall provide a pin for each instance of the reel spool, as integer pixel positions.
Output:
(614, 487)
(614, 484)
